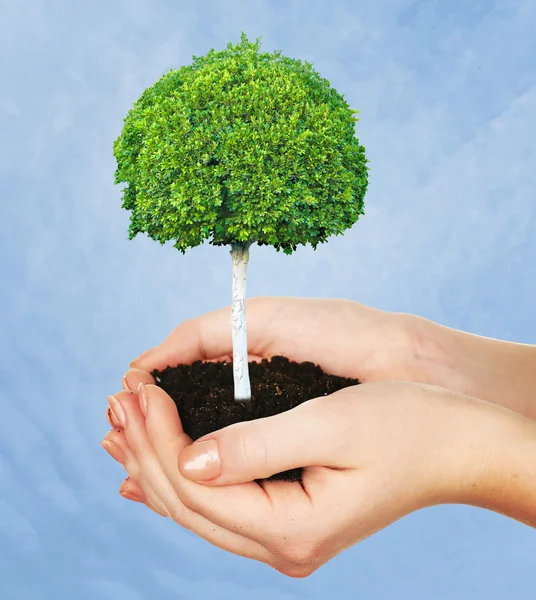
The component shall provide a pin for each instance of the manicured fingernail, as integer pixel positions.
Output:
(111, 419)
(131, 496)
(126, 481)
(114, 451)
(202, 461)
(117, 411)
(142, 397)
(124, 487)
(124, 383)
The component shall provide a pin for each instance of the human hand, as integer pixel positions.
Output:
(343, 337)
(380, 451)
(386, 346)
(349, 339)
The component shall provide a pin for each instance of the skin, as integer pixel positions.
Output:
(386, 448)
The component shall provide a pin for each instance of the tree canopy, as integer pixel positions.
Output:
(241, 146)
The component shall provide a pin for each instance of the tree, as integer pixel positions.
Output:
(241, 147)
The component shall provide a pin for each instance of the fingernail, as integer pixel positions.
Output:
(123, 488)
(124, 383)
(114, 451)
(117, 410)
(131, 496)
(202, 461)
(111, 419)
(126, 481)
(142, 397)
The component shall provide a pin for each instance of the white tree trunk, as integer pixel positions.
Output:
(242, 387)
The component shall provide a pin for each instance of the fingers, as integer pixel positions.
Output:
(170, 438)
(245, 507)
(260, 448)
(117, 446)
(130, 490)
(134, 426)
(167, 427)
(189, 342)
(207, 337)
(134, 377)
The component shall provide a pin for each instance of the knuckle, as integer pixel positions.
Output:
(179, 514)
(245, 451)
(250, 444)
(187, 503)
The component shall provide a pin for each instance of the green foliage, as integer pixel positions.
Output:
(241, 146)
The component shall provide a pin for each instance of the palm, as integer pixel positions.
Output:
(341, 336)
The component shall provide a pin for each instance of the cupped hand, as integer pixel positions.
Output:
(343, 337)
(380, 451)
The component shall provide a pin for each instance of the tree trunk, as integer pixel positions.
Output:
(242, 387)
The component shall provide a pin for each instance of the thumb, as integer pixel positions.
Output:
(201, 338)
(243, 452)
(206, 337)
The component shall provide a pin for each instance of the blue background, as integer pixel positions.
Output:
(447, 93)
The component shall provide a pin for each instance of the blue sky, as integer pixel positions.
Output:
(447, 93)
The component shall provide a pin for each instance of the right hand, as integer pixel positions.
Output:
(343, 337)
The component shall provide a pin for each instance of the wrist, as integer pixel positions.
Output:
(491, 462)
(494, 370)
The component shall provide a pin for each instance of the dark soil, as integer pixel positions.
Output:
(204, 394)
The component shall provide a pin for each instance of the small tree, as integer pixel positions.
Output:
(241, 147)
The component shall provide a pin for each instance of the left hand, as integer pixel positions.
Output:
(372, 453)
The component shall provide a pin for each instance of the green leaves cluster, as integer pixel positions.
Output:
(241, 146)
